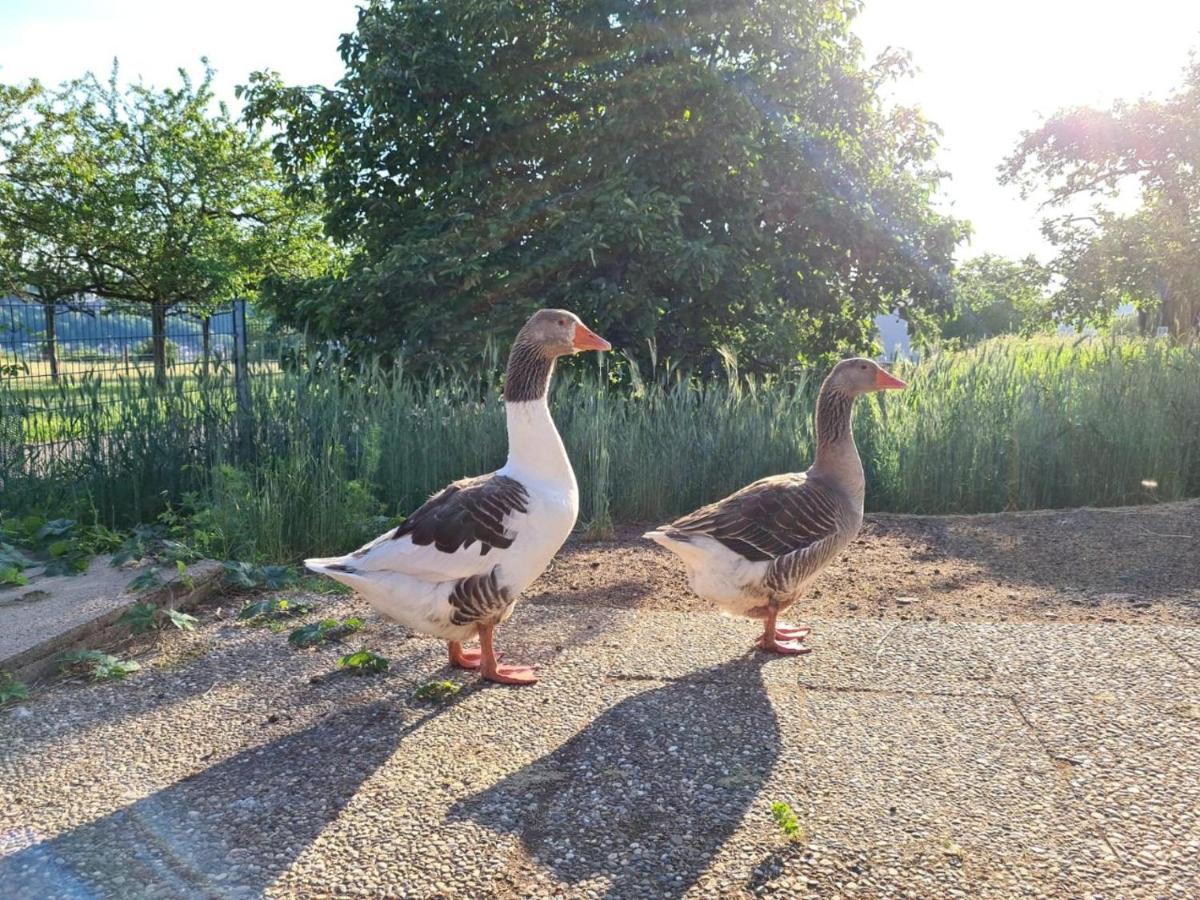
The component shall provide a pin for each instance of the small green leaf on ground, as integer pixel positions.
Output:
(276, 577)
(180, 620)
(100, 666)
(325, 630)
(139, 618)
(258, 612)
(12, 576)
(240, 574)
(249, 576)
(181, 572)
(437, 691)
(786, 819)
(11, 556)
(363, 662)
(144, 582)
(11, 690)
(313, 633)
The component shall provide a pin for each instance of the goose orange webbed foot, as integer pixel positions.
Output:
(464, 659)
(516, 675)
(491, 669)
(797, 632)
(782, 645)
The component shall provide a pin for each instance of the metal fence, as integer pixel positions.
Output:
(65, 369)
(44, 342)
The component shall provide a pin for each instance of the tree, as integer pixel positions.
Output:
(1150, 258)
(161, 197)
(991, 295)
(696, 174)
(37, 212)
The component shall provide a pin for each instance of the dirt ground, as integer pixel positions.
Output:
(1132, 565)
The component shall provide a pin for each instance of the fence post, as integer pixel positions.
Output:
(241, 378)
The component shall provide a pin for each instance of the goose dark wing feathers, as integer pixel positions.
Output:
(767, 519)
(468, 511)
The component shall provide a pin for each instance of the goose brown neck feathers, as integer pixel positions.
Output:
(528, 374)
(833, 415)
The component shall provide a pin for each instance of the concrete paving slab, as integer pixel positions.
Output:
(1184, 642)
(54, 614)
(235, 766)
(1085, 662)
(849, 654)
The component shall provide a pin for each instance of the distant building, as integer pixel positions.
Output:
(893, 337)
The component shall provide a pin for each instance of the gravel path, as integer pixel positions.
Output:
(921, 758)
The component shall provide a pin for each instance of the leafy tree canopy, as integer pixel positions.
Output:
(695, 175)
(992, 295)
(1087, 158)
(154, 199)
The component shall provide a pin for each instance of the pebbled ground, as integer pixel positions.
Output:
(952, 746)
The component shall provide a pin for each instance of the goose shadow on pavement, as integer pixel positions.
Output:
(229, 830)
(648, 793)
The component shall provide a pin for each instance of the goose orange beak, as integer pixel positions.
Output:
(886, 382)
(586, 339)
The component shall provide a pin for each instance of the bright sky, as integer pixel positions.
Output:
(987, 69)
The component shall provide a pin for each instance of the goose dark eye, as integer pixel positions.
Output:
(562, 321)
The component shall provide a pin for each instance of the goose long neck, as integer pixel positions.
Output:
(527, 377)
(535, 449)
(837, 454)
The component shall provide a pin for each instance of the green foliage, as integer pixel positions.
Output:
(12, 557)
(96, 664)
(1107, 256)
(65, 547)
(325, 630)
(1038, 424)
(1008, 424)
(135, 547)
(144, 581)
(260, 612)
(249, 577)
(319, 584)
(180, 620)
(67, 557)
(786, 819)
(363, 662)
(11, 576)
(139, 618)
(437, 691)
(142, 617)
(692, 175)
(993, 296)
(11, 690)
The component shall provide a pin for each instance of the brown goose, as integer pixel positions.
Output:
(754, 552)
(455, 567)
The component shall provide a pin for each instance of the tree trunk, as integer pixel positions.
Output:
(51, 338)
(1143, 319)
(158, 331)
(1181, 314)
(205, 339)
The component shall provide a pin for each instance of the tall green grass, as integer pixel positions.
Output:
(325, 452)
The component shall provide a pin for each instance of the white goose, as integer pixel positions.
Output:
(754, 553)
(455, 567)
